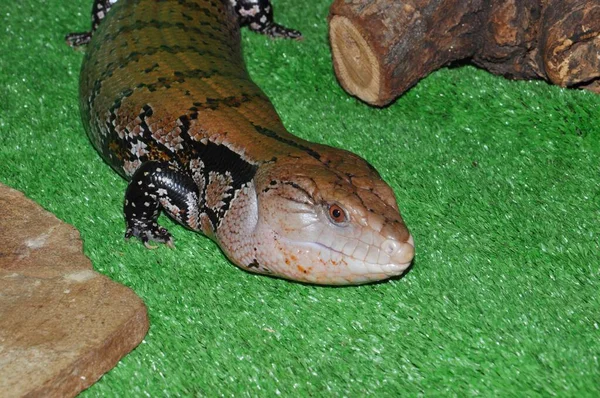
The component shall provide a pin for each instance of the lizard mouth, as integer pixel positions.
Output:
(352, 270)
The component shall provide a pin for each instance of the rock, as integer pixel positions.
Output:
(62, 325)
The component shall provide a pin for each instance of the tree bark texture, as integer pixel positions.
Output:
(381, 48)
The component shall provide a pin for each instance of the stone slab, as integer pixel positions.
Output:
(62, 325)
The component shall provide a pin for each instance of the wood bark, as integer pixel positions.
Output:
(381, 48)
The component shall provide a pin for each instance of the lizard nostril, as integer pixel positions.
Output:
(390, 246)
(399, 252)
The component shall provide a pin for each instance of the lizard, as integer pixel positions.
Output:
(167, 101)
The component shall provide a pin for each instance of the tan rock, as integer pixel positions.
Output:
(62, 325)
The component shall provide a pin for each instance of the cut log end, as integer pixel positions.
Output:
(356, 65)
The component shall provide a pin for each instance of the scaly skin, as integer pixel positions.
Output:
(167, 102)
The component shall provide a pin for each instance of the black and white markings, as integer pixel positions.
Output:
(134, 136)
(258, 16)
(200, 180)
(99, 11)
(157, 186)
(219, 173)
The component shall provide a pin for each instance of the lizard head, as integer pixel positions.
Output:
(334, 223)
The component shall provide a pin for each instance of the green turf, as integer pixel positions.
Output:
(499, 182)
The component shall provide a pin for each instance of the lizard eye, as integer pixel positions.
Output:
(337, 214)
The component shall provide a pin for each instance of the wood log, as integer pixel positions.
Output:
(381, 48)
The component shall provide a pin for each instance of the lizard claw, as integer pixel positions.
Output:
(147, 232)
(149, 246)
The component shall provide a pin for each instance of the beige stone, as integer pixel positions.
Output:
(62, 325)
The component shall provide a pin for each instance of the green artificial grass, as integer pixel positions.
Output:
(499, 182)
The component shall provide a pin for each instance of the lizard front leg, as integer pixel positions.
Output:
(156, 187)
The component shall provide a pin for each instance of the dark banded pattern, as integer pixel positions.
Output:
(139, 57)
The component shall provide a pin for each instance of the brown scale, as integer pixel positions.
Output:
(119, 152)
(155, 152)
